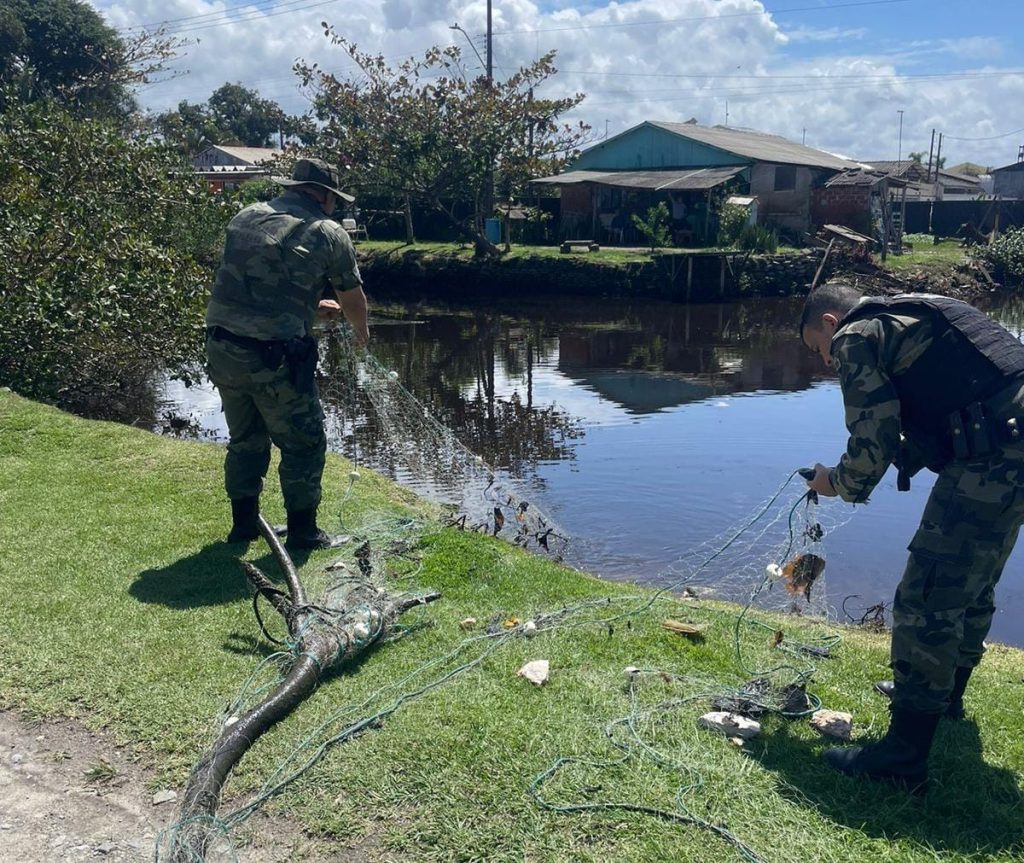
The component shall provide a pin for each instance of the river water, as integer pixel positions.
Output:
(643, 428)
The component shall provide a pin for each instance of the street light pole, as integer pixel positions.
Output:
(456, 26)
(488, 64)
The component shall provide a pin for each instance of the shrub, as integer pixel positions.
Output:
(758, 238)
(1006, 255)
(655, 227)
(108, 246)
(731, 222)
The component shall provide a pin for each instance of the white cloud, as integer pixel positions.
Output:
(666, 60)
(830, 34)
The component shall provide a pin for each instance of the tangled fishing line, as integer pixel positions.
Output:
(774, 560)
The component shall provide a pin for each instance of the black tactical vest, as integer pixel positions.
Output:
(943, 393)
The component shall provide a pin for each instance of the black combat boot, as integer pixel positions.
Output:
(901, 756)
(303, 532)
(956, 696)
(245, 525)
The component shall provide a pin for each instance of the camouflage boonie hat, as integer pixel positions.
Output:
(315, 172)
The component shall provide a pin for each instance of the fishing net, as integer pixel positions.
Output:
(375, 418)
(772, 560)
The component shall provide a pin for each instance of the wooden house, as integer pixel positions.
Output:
(692, 169)
(1008, 181)
(942, 185)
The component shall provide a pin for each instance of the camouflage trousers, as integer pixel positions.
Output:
(945, 600)
(263, 406)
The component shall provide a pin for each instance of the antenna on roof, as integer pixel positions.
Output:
(1020, 153)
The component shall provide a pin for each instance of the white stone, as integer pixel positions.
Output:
(630, 672)
(773, 571)
(833, 723)
(731, 724)
(536, 672)
(529, 629)
(165, 796)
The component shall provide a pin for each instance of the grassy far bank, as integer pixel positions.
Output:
(124, 608)
(923, 257)
(607, 256)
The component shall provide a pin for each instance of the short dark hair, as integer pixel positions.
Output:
(837, 297)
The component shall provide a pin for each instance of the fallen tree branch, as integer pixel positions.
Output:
(352, 616)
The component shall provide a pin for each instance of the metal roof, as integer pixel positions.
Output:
(909, 166)
(252, 155)
(679, 180)
(1015, 166)
(864, 178)
(756, 145)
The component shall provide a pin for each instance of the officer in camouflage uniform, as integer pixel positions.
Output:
(285, 262)
(931, 382)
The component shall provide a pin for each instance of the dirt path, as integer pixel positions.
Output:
(69, 794)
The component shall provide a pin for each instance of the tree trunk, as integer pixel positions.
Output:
(410, 236)
(482, 247)
(348, 620)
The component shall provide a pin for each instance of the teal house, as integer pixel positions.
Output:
(693, 169)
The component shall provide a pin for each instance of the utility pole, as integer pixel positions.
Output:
(931, 151)
(490, 54)
(899, 146)
(727, 113)
(803, 140)
(489, 181)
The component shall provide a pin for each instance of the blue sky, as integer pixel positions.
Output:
(835, 74)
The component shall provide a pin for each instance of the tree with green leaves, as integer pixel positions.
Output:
(108, 250)
(63, 49)
(425, 132)
(233, 114)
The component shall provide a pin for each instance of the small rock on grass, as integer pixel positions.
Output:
(731, 724)
(165, 796)
(536, 672)
(833, 723)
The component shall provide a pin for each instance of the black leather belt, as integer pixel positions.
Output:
(223, 335)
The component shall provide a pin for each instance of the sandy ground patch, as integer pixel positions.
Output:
(69, 794)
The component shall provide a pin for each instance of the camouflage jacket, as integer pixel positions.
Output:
(867, 353)
(279, 258)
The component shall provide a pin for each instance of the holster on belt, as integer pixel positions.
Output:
(302, 355)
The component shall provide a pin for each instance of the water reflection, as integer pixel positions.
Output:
(644, 428)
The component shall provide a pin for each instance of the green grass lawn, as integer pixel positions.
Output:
(123, 607)
(924, 257)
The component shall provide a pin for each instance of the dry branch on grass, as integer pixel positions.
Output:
(352, 616)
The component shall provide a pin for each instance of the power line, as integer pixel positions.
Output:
(702, 17)
(254, 15)
(817, 78)
(989, 138)
(212, 15)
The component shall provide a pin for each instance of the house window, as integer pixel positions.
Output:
(785, 178)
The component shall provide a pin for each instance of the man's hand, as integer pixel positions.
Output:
(328, 310)
(822, 483)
